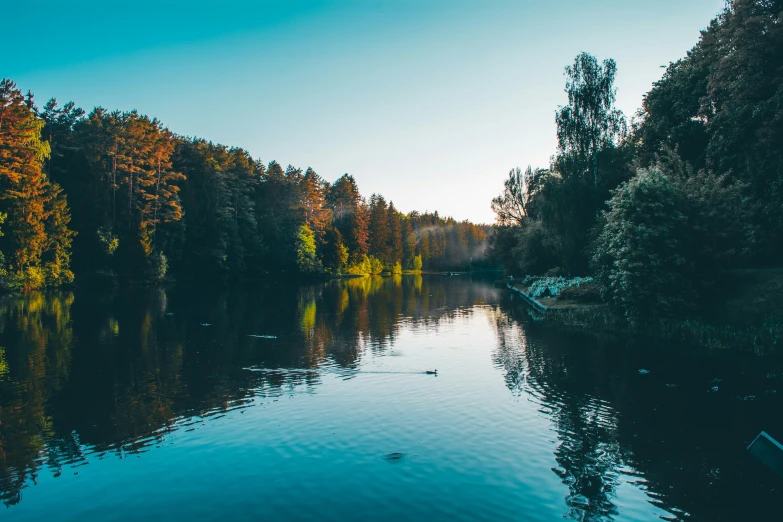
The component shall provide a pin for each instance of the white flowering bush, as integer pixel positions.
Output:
(552, 286)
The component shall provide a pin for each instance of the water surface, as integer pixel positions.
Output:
(280, 401)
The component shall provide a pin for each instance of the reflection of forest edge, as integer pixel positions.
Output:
(114, 373)
(664, 432)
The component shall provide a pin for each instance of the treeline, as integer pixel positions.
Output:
(145, 204)
(657, 209)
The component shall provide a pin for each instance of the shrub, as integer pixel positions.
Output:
(585, 293)
(642, 255)
(397, 268)
(360, 268)
(157, 267)
(376, 266)
(34, 277)
(369, 265)
(306, 260)
(417, 262)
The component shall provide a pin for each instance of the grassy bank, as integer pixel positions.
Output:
(745, 313)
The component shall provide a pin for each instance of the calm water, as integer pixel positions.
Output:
(165, 405)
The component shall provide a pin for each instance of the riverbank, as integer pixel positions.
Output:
(746, 314)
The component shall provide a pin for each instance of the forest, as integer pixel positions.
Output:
(117, 196)
(659, 208)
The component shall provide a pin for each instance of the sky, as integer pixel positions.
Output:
(428, 102)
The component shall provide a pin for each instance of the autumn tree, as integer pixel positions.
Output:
(36, 240)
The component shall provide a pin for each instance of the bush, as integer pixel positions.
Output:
(306, 260)
(586, 293)
(417, 262)
(158, 266)
(643, 252)
(369, 265)
(397, 268)
(376, 266)
(34, 278)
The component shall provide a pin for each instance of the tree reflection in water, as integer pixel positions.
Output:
(588, 454)
(93, 375)
(662, 432)
(113, 373)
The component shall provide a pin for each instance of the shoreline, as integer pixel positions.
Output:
(761, 338)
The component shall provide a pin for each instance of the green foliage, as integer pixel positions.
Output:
(360, 268)
(376, 265)
(3, 364)
(589, 123)
(584, 293)
(158, 267)
(553, 286)
(148, 204)
(667, 234)
(551, 212)
(306, 260)
(397, 268)
(706, 179)
(417, 262)
(534, 249)
(380, 246)
(513, 205)
(720, 107)
(643, 253)
(720, 214)
(335, 253)
(33, 278)
(368, 265)
(109, 241)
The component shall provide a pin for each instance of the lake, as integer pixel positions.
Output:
(283, 401)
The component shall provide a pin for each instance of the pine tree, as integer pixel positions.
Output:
(380, 233)
(394, 220)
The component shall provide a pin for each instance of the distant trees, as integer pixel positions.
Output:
(149, 205)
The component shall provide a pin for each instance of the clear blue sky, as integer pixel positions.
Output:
(429, 102)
